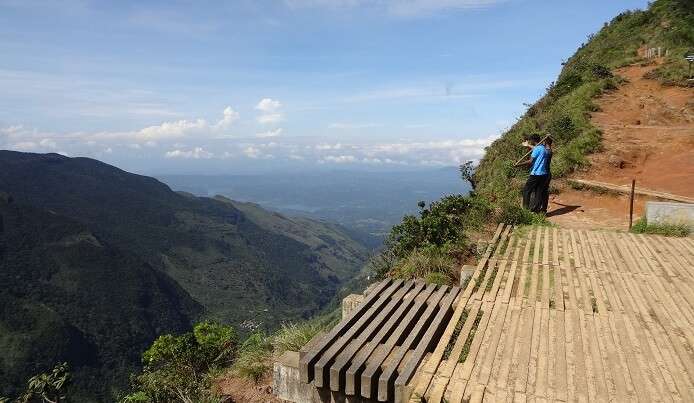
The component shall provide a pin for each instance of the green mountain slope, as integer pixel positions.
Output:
(126, 258)
(70, 296)
(564, 109)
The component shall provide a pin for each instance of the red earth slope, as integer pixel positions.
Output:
(648, 135)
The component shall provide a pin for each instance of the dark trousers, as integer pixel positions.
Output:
(544, 195)
(532, 192)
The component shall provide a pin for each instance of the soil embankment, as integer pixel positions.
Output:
(648, 135)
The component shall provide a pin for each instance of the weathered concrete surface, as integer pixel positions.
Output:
(350, 303)
(286, 384)
(670, 213)
(285, 379)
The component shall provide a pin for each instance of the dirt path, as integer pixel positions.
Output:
(648, 135)
(239, 390)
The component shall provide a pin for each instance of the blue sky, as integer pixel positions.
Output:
(257, 85)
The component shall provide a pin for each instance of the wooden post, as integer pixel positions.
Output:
(631, 203)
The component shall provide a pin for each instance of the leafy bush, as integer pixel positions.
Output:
(641, 226)
(435, 240)
(181, 368)
(443, 224)
(46, 387)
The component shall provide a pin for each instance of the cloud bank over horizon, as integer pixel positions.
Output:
(200, 139)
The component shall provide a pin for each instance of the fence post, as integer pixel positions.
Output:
(631, 203)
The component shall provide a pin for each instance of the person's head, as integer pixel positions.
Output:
(548, 142)
(534, 138)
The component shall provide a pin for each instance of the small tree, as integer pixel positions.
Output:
(47, 387)
(467, 173)
(180, 368)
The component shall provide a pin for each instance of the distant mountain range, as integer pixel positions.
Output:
(369, 203)
(95, 262)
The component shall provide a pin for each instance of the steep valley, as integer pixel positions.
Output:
(96, 262)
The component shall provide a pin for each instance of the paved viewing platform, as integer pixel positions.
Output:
(549, 314)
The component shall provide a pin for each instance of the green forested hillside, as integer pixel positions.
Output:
(100, 261)
(564, 110)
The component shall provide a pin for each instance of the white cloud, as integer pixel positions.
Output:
(323, 3)
(321, 147)
(270, 118)
(351, 125)
(339, 159)
(397, 8)
(200, 128)
(195, 153)
(229, 117)
(48, 143)
(268, 105)
(24, 146)
(253, 152)
(431, 153)
(269, 111)
(174, 141)
(10, 130)
(270, 133)
(171, 130)
(414, 8)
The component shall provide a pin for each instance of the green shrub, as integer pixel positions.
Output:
(182, 367)
(641, 226)
(434, 241)
(443, 224)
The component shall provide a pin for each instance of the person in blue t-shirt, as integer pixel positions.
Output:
(539, 173)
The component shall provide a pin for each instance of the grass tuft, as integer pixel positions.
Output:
(641, 226)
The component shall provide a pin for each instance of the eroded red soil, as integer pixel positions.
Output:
(648, 135)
